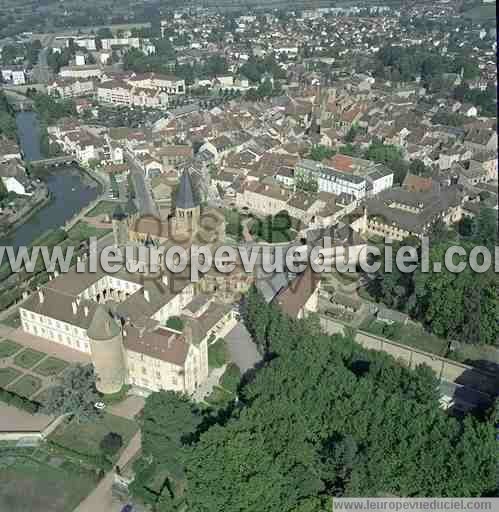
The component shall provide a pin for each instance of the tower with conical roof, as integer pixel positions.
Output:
(187, 207)
(106, 346)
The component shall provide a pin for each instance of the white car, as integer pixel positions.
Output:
(100, 406)
(446, 402)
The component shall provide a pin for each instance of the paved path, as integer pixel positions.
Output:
(213, 379)
(242, 349)
(13, 419)
(49, 347)
(129, 408)
(101, 499)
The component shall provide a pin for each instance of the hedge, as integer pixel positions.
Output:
(99, 461)
(19, 401)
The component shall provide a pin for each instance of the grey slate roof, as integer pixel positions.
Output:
(103, 326)
(185, 194)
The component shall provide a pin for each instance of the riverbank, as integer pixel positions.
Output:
(26, 216)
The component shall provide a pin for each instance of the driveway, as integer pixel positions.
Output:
(242, 349)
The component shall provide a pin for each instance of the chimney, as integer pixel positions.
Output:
(164, 279)
(85, 310)
(147, 297)
(74, 306)
(41, 296)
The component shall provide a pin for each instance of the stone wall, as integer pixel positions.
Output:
(474, 378)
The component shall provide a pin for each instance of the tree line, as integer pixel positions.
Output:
(323, 417)
(462, 306)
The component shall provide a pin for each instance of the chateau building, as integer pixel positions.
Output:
(120, 319)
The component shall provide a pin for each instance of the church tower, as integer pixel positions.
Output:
(120, 226)
(187, 207)
(106, 346)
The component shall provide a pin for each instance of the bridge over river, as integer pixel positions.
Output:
(55, 161)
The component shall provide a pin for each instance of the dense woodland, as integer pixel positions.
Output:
(462, 306)
(323, 417)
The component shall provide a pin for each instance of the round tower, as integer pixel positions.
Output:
(106, 346)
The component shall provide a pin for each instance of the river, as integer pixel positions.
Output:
(70, 189)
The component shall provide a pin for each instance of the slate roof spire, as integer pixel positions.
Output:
(185, 198)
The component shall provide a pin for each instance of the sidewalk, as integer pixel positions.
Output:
(101, 498)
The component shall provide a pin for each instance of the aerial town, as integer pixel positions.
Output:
(360, 135)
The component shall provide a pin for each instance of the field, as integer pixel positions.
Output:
(7, 375)
(28, 358)
(82, 231)
(26, 386)
(28, 486)
(8, 348)
(103, 208)
(411, 335)
(86, 437)
(50, 366)
(481, 12)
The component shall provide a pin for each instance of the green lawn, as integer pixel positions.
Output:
(86, 437)
(26, 386)
(82, 231)
(103, 208)
(7, 375)
(410, 334)
(8, 348)
(217, 354)
(28, 358)
(28, 486)
(50, 366)
(481, 12)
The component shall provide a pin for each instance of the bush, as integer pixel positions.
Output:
(19, 401)
(111, 444)
(99, 461)
(231, 378)
(175, 323)
(217, 354)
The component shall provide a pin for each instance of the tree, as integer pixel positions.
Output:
(320, 152)
(111, 444)
(75, 394)
(418, 168)
(461, 305)
(327, 418)
(485, 228)
(255, 315)
(265, 89)
(175, 323)
(351, 134)
(169, 420)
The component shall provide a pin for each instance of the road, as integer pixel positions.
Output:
(143, 196)
(42, 72)
(465, 398)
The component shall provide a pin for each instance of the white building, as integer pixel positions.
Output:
(14, 185)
